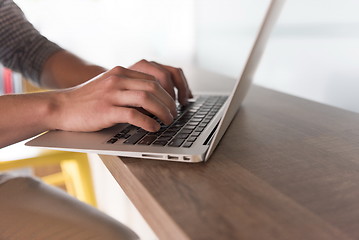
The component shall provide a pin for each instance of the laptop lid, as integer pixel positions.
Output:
(244, 82)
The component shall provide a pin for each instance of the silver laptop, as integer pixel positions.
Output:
(194, 134)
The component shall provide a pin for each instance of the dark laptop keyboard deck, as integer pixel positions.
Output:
(185, 129)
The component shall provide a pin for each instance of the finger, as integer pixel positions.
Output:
(164, 77)
(190, 95)
(152, 87)
(160, 73)
(134, 117)
(180, 82)
(124, 72)
(147, 101)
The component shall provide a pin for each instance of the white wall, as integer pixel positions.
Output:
(313, 52)
(115, 32)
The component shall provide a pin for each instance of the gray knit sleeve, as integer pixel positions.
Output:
(22, 47)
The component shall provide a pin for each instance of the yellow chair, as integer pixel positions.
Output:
(75, 169)
(75, 172)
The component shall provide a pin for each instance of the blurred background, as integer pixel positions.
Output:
(313, 52)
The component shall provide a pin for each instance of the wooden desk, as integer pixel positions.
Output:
(287, 168)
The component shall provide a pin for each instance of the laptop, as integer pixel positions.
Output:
(193, 135)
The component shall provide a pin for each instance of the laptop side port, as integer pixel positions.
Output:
(186, 158)
(152, 156)
(170, 157)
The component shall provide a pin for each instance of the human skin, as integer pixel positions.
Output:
(88, 98)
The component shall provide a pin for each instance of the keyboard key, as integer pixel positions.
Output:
(193, 123)
(119, 135)
(187, 114)
(191, 139)
(174, 129)
(189, 127)
(196, 119)
(185, 131)
(181, 122)
(135, 138)
(187, 144)
(176, 143)
(199, 129)
(129, 128)
(126, 130)
(159, 143)
(182, 135)
(112, 140)
(142, 131)
(154, 133)
(147, 140)
(196, 134)
(179, 125)
(122, 136)
(164, 138)
(168, 134)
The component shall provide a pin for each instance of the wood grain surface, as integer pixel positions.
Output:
(287, 168)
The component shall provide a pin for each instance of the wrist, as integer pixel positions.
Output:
(50, 110)
(27, 115)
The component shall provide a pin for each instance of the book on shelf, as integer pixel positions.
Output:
(10, 82)
(1, 80)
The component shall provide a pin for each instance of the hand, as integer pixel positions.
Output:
(169, 77)
(111, 98)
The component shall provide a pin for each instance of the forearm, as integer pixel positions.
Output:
(64, 69)
(108, 99)
(24, 116)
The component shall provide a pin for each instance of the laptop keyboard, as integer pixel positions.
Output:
(186, 128)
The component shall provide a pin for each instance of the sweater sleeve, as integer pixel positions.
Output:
(22, 47)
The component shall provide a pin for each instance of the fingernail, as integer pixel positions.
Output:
(156, 127)
(172, 118)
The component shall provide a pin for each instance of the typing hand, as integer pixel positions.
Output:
(112, 97)
(169, 78)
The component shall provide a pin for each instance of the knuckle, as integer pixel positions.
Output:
(151, 78)
(143, 96)
(111, 81)
(118, 69)
(130, 114)
(180, 70)
(153, 86)
(164, 75)
(143, 61)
